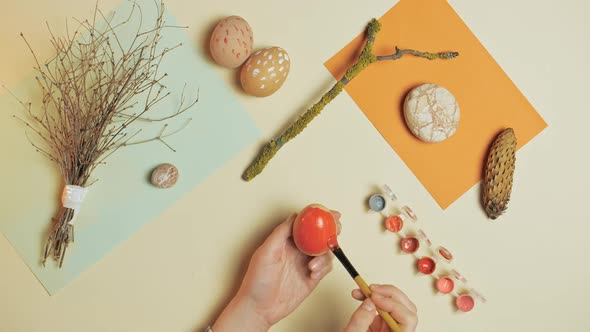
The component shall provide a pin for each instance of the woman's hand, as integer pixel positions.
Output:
(278, 279)
(387, 298)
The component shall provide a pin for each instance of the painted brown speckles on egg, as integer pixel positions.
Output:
(265, 72)
(231, 42)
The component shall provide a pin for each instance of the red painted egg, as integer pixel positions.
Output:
(313, 228)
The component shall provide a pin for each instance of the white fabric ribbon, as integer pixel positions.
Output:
(72, 198)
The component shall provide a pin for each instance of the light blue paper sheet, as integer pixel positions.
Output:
(122, 201)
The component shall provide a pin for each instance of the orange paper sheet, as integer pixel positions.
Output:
(488, 99)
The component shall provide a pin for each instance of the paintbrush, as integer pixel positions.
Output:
(314, 232)
(335, 247)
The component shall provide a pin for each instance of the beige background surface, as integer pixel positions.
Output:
(531, 264)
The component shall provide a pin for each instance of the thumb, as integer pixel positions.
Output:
(281, 233)
(362, 318)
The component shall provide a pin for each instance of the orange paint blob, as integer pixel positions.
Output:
(394, 224)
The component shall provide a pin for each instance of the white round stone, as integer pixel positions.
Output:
(431, 112)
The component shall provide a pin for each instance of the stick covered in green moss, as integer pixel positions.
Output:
(365, 59)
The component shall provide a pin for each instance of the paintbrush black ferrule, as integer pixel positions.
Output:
(345, 262)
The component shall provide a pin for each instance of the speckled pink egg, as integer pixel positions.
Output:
(231, 42)
(265, 72)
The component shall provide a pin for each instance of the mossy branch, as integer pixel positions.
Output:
(430, 56)
(365, 59)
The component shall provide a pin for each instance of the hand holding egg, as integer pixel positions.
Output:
(314, 233)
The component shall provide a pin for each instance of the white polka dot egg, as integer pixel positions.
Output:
(265, 72)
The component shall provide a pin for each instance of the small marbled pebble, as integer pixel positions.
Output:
(164, 176)
(431, 112)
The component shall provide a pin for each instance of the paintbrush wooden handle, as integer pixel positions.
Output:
(362, 285)
(384, 314)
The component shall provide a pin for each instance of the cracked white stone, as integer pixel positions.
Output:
(432, 113)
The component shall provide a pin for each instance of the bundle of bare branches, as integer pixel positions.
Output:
(93, 89)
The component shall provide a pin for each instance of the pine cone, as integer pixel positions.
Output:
(498, 173)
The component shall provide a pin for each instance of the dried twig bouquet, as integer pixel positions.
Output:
(93, 89)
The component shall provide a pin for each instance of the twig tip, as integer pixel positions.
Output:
(373, 27)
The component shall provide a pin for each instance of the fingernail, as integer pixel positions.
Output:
(369, 306)
(315, 275)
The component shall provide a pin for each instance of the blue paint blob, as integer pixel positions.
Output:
(377, 203)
